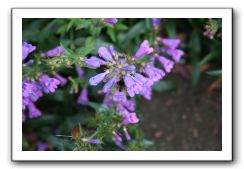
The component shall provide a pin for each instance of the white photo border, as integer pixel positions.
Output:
(227, 138)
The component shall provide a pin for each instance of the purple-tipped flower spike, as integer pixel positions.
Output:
(170, 43)
(80, 72)
(129, 68)
(166, 63)
(119, 96)
(111, 20)
(132, 86)
(23, 116)
(154, 73)
(156, 22)
(108, 100)
(175, 53)
(41, 146)
(94, 62)
(83, 97)
(130, 118)
(126, 133)
(27, 49)
(57, 51)
(33, 111)
(97, 79)
(49, 84)
(62, 80)
(92, 141)
(105, 54)
(109, 84)
(129, 104)
(143, 50)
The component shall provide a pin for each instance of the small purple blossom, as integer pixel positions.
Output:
(108, 100)
(132, 86)
(31, 90)
(27, 49)
(111, 20)
(118, 140)
(147, 93)
(126, 133)
(129, 104)
(175, 53)
(145, 82)
(113, 52)
(166, 63)
(170, 43)
(154, 73)
(109, 84)
(129, 67)
(49, 84)
(63, 81)
(120, 108)
(42, 146)
(80, 72)
(92, 141)
(130, 118)
(119, 96)
(57, 51)
(33, 111)
(94, 62)
(144, 49)
(156, 22)
(105, 54)
(83, 97)
(97, 79)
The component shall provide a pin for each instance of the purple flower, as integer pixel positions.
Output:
(119, 96)
(57, 51)
(126, 133)
(129, 104)
(33, 111)
(42, 146)
(79, 71)
(147, 93)
(94, 62)
(108, 100)
(109, 84)
(130, 118)
(145, 82)
(49, 84)
(83, 97)
(129, 68)
(97, 79)
(121, 109)
(62, 80)
(156, 22)
(170, 43)
(166, 63)
(111, 20)
(105, 54)
(31, 90)
(27, 49)
(92, 141)
(143, 50)
(132, 86)
(113, 52)
(175, 53)
(118, 140)
(154, 73)
(25, 102)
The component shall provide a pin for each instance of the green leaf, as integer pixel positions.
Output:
(208, 57)
(171, 27)
(214, 73)
(121, 27)
(98, 107)
(88, 48)
(163, 86)
(111, 34)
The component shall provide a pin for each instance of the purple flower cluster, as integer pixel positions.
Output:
(124, 77)
(111, 20)
(33, 90)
